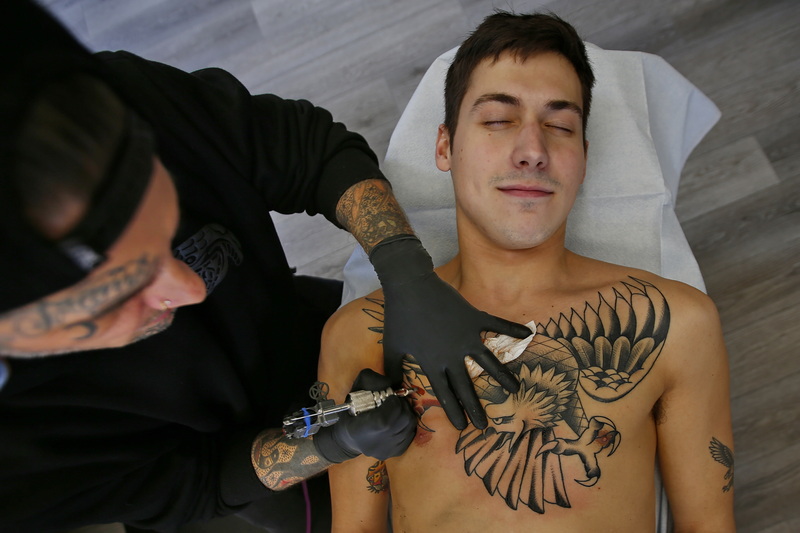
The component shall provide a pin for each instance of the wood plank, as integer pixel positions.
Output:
(765, 348)
(766, 421)
(754, 104)
(767, 455)
(723, 176)
(767, 491)
(345, 67)
(741, 233)
(126, 21)
(791, 525)
(716, 49)
(781, 142)
(177, 33)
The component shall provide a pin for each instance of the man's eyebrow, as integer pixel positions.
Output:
(558, 105)
(508, 99)
(502, 98)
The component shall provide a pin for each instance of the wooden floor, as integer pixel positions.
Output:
(739, 197)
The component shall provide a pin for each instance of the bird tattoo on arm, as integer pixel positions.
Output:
(723, 455)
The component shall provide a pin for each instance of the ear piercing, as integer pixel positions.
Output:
(165, 304)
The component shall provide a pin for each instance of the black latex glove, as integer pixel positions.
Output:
(384, 432)
(427, 318)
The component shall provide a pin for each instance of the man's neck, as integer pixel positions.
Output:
(509, 280)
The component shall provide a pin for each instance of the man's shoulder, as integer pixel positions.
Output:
(351, 341)
(691, 322)
(610, 275)
(360, 320)
(687, 310)
(360, 309)
(681, 297)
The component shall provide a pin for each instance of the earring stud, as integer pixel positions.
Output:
(165, 304)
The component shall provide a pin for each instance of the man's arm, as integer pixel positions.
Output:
(350, 342)
(695, 438)
(360, 496)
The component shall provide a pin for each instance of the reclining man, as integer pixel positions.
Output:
(623, 362)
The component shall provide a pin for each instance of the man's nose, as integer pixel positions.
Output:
(530, 149)
(176, 285)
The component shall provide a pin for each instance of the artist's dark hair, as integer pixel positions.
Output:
(523, 36)
(63, 149)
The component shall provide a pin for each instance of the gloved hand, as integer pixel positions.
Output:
(427, 318)
(384, 432)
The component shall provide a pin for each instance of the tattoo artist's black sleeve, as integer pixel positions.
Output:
(294, 154)
(198, 476)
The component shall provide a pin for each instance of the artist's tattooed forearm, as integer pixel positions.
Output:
(370, 212)
(280, 462)
(723, 455)
(377, 478)
(91, 297)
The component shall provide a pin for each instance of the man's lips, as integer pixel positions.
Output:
(525, 191)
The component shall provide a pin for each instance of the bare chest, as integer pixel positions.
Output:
(578, 434)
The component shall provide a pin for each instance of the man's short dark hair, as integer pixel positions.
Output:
(523, 36)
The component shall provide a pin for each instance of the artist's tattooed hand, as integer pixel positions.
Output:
(723, 455)
(370, 212)
(280, 462)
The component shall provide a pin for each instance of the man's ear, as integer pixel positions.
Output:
(443, 153)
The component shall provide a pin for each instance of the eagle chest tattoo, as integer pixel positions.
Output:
(606, 350)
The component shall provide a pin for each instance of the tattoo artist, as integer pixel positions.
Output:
(130, 190)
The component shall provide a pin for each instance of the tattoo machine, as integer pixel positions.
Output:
(325, 412)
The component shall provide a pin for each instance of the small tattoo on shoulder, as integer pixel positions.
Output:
(376, 313)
